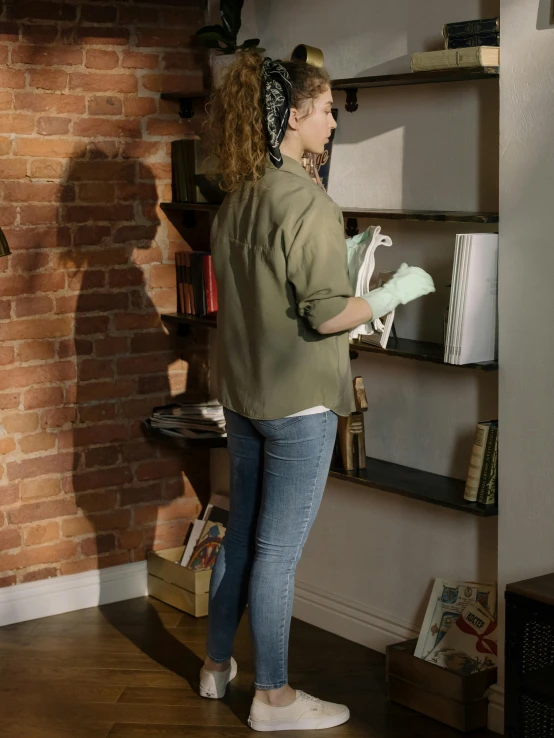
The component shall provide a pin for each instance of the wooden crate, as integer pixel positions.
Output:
(458, 701)
(180, 587)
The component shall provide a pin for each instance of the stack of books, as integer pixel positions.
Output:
(206, 534)
(467, 44)
(482, 477)
(196, 285)
(459, 629)
(471, 331)
(194, 420)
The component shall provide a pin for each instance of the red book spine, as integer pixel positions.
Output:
(211, 285)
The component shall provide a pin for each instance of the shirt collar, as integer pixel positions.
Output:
(289, 165)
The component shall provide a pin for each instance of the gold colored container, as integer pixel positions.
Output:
(310, 54)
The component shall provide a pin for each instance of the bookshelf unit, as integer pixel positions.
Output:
(384, 476)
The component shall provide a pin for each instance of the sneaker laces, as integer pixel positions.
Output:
(305, 697)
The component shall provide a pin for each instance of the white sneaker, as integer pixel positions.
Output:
(305, 713)
(214, 683)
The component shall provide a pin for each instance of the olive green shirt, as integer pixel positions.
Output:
(279, 258)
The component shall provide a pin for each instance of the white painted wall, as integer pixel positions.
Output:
(526, 537)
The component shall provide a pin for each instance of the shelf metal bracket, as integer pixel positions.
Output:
(351, 99)
(353, 354)
(186, 109)
(351, 227)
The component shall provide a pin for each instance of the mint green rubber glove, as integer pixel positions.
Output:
(407, 284)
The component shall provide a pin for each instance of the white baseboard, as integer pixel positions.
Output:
(54, 596)
(351, 620)
(376, 630)
(496, 709)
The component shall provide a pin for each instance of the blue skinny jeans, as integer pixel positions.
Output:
(279, 469)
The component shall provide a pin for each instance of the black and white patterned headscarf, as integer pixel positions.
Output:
(276, 97)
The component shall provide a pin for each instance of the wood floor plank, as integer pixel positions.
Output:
(29, 728)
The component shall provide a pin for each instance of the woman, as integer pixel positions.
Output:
(285, 309)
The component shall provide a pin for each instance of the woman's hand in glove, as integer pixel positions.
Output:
(407, 284)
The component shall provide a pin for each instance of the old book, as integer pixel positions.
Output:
(463, 42)
(476, 56)
(207, 547)
(210, 285)
(476, 460)
(471, 28)
(488, 465)
(192, 168)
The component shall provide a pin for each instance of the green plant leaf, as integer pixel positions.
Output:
(231, 16)
(250, 43)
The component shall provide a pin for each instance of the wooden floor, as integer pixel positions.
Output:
(130, 670)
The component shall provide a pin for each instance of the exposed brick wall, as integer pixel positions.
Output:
(84, 158)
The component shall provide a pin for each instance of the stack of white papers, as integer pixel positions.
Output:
(471, 334)
(197, 420)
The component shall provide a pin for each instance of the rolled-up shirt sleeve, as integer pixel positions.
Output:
(318, 270)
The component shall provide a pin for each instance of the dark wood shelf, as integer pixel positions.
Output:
(416, 484)
(403, 348)
(382, 475)
(406, 348)
(415, 78)
(439, 216)
(185, 100)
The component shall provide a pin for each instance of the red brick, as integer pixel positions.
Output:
(41, 487)
(18, 285)
(97, 413)
(103, 36)
(74, 347)
(20, 422)
(165, 38)
(147, 343)
(42, 397)
(7, 445)
(6, 100)
(101, 456)
(89, 280)
(137, 321)
(162, 127)
(5, 145)
(52, 147)
(134, 15)
(10, 122)
(45, 328)
(117, 559)
(97, 501)
(91, 434)
(57, 417)
(48, 79)
(103, 149)
(180, 61)
(92, 325)
(12, 169)
(42, 10)
(37, 374)
(151, 494)
(49, 510)
(102, 105)
(38, 214)
(152, 364)
(46, 56)
(5, 307)
(115, 520)
(140, 149)
(137, 233)
(140, 106)
(137, 191)
(49, 126)
(25, 306)
(96, 82)
(111, 346)
(9, 538)
(92, 127)
(46, 572)
(38, 192)
(9, 494)
(130, 539)
(158, 469)
(35, 351)
(12, 79)
(162, 275)
(103, 171)
(8, 581)
(77, 567)
(42, 533)
(49, 103)
(174, 531)
(136, 60)
(102, 302)
(98, 59)
(7, 354)
(37, 442)
(9, 31)
(98, 14)
(96, 369)
(76, 526)
(9, 400)
(46, 168)
(188, 15)
(98, 544)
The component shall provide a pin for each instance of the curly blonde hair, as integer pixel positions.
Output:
(236, 127)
